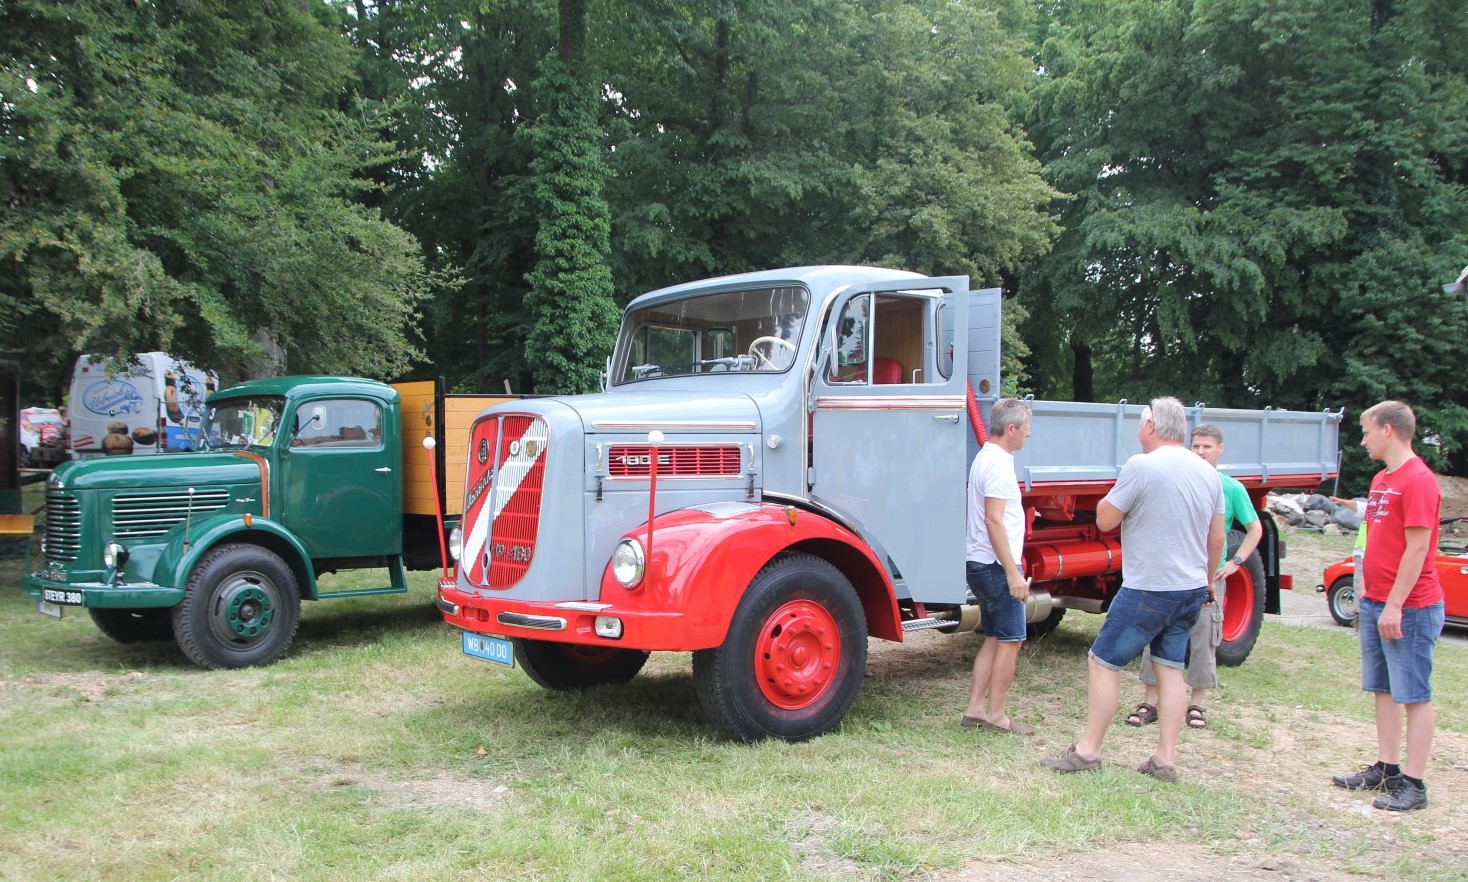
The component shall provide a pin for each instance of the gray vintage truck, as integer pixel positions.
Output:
(775, 473)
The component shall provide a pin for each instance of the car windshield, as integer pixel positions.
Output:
(755, 330)
(242, 422)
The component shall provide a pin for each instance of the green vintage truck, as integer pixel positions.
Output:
(216, 549)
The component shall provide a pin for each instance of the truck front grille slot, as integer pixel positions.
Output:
(63, 526)
(139, 515)
(675, 461)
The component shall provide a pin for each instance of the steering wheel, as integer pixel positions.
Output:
(767, 360)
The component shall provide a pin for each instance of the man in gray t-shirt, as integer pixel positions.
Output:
(1169, 505)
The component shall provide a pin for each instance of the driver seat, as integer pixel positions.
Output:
(886, 371)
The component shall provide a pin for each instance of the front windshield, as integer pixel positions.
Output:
(752, 330)
(242, 422)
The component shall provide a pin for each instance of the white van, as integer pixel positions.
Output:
(151, 407)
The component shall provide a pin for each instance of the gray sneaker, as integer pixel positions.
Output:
(1369, 778)
(1402, 796)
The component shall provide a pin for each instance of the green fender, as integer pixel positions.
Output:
(179, 558)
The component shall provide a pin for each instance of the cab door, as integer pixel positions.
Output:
(339, 484)
(890, 429)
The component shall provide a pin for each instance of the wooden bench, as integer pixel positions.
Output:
(13, 525)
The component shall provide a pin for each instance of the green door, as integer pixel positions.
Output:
(339, 489)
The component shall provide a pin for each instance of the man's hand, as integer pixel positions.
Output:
(1389, 625)
(1223, 572)
(1019, 586)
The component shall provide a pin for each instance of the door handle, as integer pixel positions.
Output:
(382, 471)
(947, 418)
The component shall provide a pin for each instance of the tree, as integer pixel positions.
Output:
(179, 176)
(1258, 209)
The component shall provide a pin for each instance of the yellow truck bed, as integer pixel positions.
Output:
(446, 418)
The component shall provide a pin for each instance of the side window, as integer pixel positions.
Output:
(848, 363)
(339, 422)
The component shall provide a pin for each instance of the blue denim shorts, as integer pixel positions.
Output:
(1402, 668)
(1001, 616)
(1139, 619)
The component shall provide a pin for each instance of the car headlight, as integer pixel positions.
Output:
(114, 555)
(628, 563)
(456, 542)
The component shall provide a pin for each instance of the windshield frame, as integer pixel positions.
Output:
(275, 405)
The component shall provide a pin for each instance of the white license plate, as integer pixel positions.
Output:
(493, 649)
(62, 596)
(46, 608)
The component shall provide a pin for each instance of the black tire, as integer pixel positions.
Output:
(1341, 599)
(134, 625)
(570, 666)
(1243, 608)
(1041, 629)
(799, 620)
(241, 608)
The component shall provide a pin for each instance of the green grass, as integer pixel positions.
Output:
(377, 750)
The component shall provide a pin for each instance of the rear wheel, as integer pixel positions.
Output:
(1243, 607)
(1341, 598)
(1042, 628)
(793, 658)
(570, 666)
(134, 625)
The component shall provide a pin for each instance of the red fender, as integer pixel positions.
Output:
(704, 558)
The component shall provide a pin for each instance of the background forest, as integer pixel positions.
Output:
(1243, 202)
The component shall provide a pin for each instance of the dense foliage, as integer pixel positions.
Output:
(1246, 202)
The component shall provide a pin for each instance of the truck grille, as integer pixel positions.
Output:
(139, 515)
(63, 526)
(502, 504)
(684, 461)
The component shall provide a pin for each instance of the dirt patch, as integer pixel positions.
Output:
(1150, 863)
(1455, 496)
(90, 685)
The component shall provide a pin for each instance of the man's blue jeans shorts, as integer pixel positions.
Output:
(1000, 615)
(1401, 668)
(1138, 619)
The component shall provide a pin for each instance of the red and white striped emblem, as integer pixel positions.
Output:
(502, 503)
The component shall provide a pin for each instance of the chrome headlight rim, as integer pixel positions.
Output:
(114, 554)
(456, 542)
(629, 563)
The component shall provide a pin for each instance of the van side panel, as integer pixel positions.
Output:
(156, 406)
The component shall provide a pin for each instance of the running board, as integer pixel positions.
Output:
(927, 624)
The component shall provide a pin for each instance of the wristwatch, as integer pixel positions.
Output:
(1238, 561)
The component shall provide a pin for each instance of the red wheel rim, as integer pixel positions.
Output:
(591, 655)
(797, 655)
(1238, 604)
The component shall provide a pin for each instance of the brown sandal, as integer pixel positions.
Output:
(1144, 714)
(1196, 716)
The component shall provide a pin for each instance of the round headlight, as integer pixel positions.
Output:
(456, 542)
(627, 563)
(114, 555)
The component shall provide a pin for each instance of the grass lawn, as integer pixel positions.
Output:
(377, 750)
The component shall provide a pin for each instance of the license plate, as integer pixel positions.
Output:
(494, 649)
(47, 608)
(62, 596)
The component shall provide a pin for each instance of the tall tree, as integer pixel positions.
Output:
(179, 176)
(1260, 202)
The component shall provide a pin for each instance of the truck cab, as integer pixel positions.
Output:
(774, 473)
(216, 548)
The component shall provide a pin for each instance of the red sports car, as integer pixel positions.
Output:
(1452, 571)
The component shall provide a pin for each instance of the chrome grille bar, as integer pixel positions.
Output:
(139, 515)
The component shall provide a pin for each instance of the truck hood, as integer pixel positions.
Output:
(674, 412)
(163, 469)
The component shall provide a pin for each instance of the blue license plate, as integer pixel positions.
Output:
(494, 649)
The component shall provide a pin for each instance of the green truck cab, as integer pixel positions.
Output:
(297, 476)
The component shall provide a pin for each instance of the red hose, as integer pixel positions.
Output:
(975, 418)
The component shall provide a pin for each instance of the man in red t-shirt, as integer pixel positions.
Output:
(1401, 610)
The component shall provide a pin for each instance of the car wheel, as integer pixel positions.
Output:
(241, 608)
(134, 625)
(1341, 599)
(1243, 607)
(571, 666)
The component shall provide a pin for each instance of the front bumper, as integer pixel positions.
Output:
(101, 595)
(572, 621)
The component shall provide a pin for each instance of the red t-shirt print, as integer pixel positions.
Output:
(1408, 497)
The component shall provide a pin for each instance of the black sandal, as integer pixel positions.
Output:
(1196, 716)
(1144, 714)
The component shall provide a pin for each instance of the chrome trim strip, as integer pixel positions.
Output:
(446, 607)
(890, 402)
(747, 425)
(539, 623)
(583, 605)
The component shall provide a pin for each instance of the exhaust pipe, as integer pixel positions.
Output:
(1038, 607)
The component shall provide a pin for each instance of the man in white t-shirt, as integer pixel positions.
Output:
(995, 540)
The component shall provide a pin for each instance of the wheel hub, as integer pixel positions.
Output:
(244, 611)
(797, 655)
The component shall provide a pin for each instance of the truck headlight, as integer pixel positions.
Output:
(456, 542)
(628, 563)
(114, 555)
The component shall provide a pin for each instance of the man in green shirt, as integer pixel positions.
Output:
(1207, 634)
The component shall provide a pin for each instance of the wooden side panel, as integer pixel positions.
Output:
(417, 403)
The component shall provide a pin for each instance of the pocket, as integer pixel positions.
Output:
(1215, 616)
(1152, 615)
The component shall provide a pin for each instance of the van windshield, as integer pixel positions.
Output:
(756, 330)
(242, 422)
